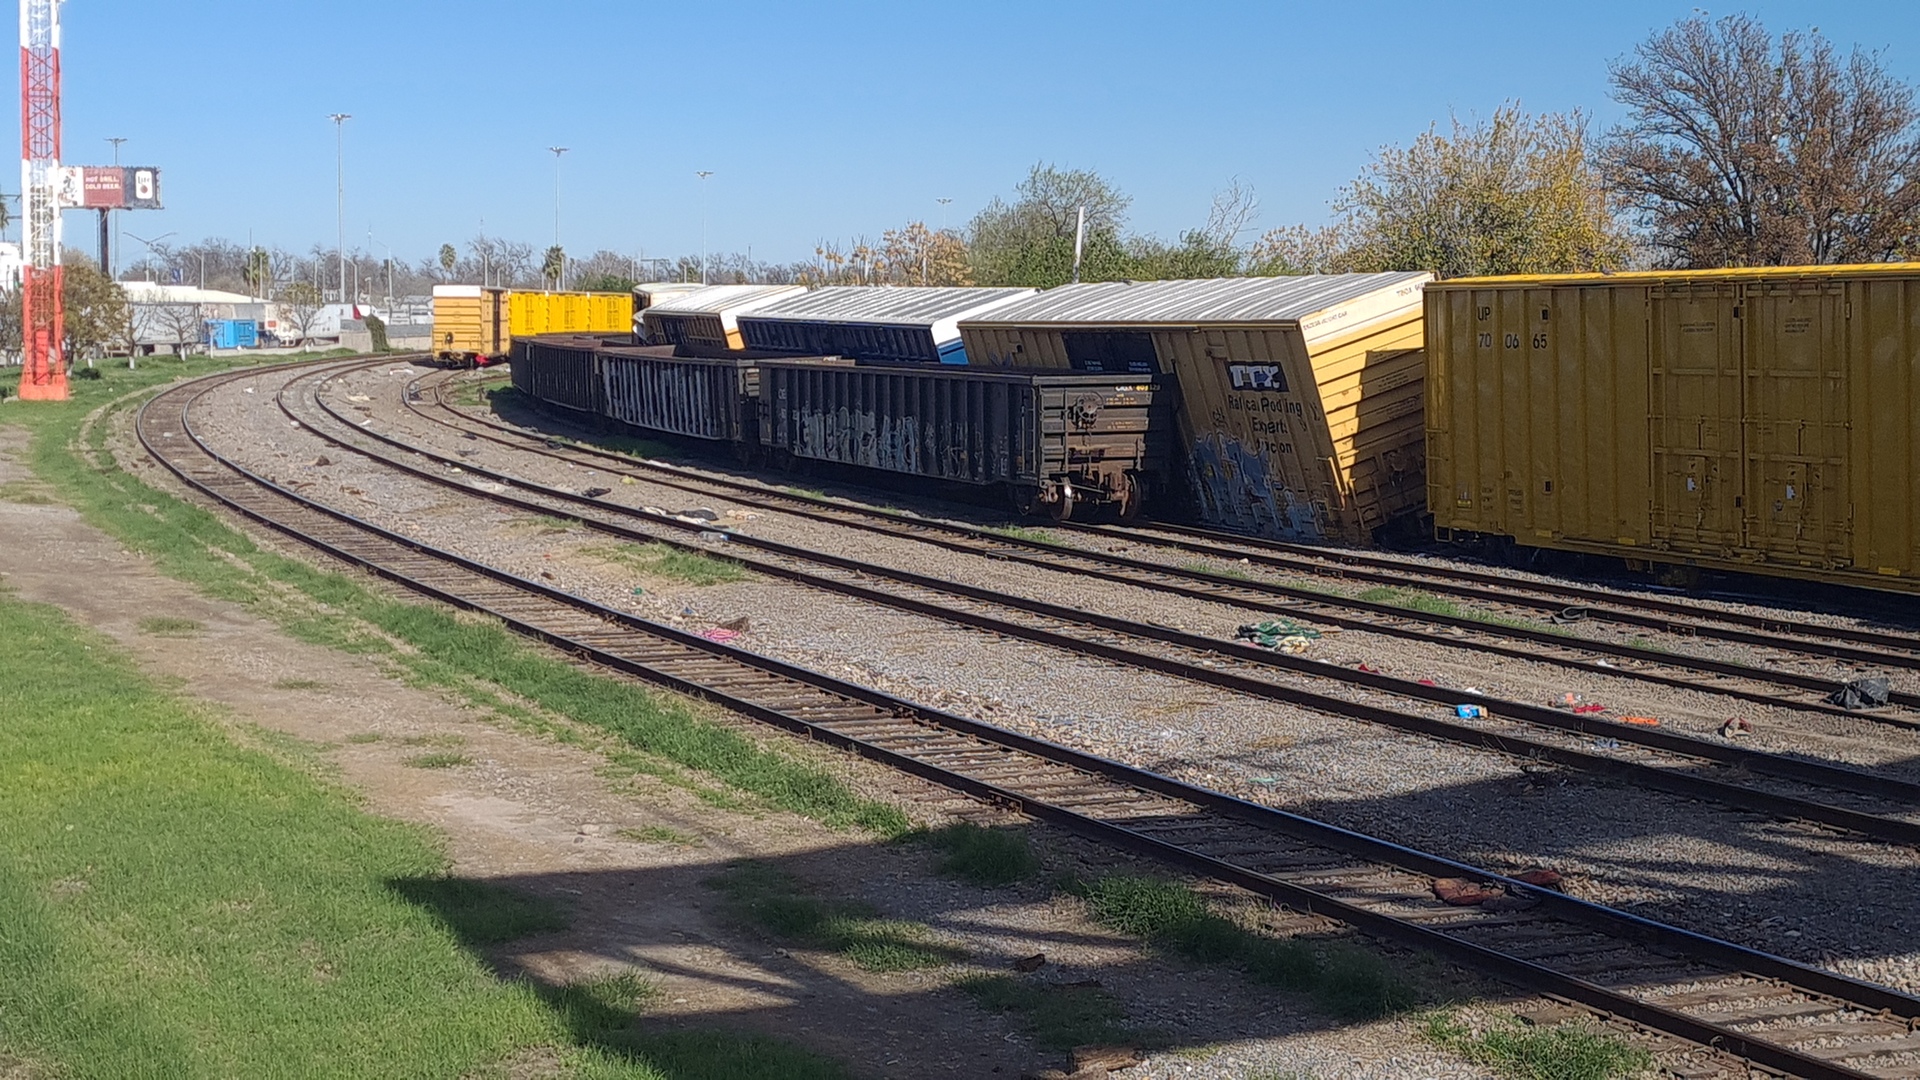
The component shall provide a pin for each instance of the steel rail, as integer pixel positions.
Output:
(1194, 667)
(1906, 648)
(1307, 604)
(1165, 806)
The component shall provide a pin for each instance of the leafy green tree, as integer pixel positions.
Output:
(605, 282)
(449, 258)
(1030, 241)
(95, 309)
(1516, 194)
(554, 265)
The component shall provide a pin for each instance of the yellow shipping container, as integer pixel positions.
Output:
(1759, 420)
(536, 313)
(1300, 396)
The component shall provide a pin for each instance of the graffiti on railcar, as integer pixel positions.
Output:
(861, 438)
(1237, 489)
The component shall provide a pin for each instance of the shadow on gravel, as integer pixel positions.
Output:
(864, 954)
(1803, 891)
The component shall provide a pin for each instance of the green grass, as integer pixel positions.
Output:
(1024, 534)
(1057, 1017)
(658, 834)
(362, 738)
(637, 448)
(26, 494)
(299, 684)
(439, 760)
(665, 561)
(170, 626)
(803, 492)
(1428, 604)
(984, 856)
(1217, 570)
(1344, 980)
(653, 733)
(175, 905)
(1562, 1052)
(774, 901)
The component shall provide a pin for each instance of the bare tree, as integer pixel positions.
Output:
(1746, 151)
(1233, 212)
(300, 304)
(184, 324)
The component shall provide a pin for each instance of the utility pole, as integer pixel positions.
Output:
(703, 174)
(340, 191)
(107, 220)
(560, 271)
(1079, 241)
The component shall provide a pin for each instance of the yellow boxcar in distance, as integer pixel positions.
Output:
(1757, 420)
(470, 324)
(536, 313)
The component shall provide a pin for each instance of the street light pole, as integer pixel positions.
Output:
(560, 270)
(703, 174)
(340, 191)
(108, 253)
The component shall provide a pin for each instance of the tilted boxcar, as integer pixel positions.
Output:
(697, 397)
(1759, 420)
(1056, 441)
(707, 320)
(1300, 414)
(874, 324)
(561, 370)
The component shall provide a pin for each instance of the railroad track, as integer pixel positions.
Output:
(1865, 803)
(1770, 1011)
(1745, 682)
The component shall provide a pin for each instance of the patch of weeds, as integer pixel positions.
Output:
(480, 912)
(436, 739)
(1058, 1017)
(666, 561)
(658, 834)
(362, 738)
(299, 684)
(440, 760)
(1564, 1052)
(1023, 534)
(170, 626)
(1217, 570)
(984, 856)
(547, 523)
(1428, 604)
(636, 448)
(18, 491)
(805, 493)
(777, 903)
(1347, 981)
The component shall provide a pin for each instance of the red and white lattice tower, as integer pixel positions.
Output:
(43, 376)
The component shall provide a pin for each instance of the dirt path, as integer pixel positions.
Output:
(628, 855)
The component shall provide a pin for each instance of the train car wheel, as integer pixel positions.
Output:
(1062, 508)
(1025, 500)
(1127, 505)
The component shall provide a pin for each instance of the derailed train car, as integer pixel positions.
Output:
(1753, 420)
(1299, 416)
(1052, 441)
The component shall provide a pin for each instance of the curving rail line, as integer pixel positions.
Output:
(1776, 1013)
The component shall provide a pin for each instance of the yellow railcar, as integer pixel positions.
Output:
(474, 326)
(1753, 420)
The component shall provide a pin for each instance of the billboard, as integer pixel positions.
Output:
(108, 187)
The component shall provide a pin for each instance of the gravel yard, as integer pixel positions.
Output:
(1777, 886)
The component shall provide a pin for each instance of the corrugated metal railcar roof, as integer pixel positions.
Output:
(891, 305)
(1733, 273)
(1215, 300)
(718, 299)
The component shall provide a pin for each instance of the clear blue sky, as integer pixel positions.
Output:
(825, 120)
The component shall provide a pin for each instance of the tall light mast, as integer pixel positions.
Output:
(43, 374)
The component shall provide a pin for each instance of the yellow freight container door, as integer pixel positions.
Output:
(1695, 421)
(1797, 506)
